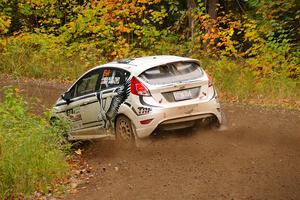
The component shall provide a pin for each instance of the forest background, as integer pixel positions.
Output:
(250, 47)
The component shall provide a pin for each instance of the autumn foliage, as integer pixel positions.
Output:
(61, 39)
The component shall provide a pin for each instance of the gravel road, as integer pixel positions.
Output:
(258, 157)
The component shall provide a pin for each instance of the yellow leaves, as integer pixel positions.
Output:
(120, 48)
(72, 26)
(4, 23)
(78, 152)
(149, 2)
(228, 35)
(83, 46)
(115, 24)
(145, 21)
(123, 29)
(158, 16)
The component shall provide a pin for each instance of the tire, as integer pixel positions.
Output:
(214, 123)
(124, 133)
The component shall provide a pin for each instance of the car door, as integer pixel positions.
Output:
(83, 109)
(114, 90)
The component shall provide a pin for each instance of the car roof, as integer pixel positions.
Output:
(138, 65)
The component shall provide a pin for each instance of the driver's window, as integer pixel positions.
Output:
(87, 84)
(113, 77)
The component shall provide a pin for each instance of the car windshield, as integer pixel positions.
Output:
(172, 73)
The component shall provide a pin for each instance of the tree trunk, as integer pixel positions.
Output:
(212, 11)
(212, 8)
(191, 4)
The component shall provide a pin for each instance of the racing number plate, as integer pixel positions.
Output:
(182, 95)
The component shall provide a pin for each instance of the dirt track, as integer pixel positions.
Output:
(258, 157)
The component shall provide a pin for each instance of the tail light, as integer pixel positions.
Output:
(138, 88)
(209, 80)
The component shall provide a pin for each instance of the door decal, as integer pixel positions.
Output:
(119, 95)
(75, 117)
(74, 114)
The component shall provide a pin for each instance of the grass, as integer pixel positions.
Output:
(25, 61)
(31, 152)
(236, 82)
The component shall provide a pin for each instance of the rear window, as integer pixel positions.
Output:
(172, 73)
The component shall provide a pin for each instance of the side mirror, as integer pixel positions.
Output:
(66, 96)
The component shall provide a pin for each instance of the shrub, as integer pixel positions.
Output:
(239, 80)
(31, 151)
(44, 56)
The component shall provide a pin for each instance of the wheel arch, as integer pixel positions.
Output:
(116, 118)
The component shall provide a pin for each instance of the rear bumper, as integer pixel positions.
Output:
(173, 115)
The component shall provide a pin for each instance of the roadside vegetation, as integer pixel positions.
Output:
(32, 154)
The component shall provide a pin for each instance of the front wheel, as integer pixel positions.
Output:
(124, 132)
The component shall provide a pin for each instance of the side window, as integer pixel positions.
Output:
(87, 84)
(113, 77)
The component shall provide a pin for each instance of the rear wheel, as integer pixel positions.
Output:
(214, 123)
(124, 132)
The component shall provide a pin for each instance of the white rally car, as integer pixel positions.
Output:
(130, 99)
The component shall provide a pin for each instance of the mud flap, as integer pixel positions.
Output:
(223, 125)
(140, 143)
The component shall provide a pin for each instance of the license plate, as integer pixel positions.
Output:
(182, 95)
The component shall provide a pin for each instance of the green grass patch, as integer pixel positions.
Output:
(31, 151)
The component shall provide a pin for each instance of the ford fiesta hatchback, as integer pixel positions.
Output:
(130, 99)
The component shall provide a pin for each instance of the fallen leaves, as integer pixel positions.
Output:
(78, 152)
